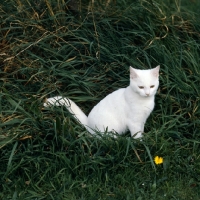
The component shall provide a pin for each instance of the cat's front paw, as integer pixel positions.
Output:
(137, 135)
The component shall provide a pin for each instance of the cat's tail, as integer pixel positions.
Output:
(71, 106)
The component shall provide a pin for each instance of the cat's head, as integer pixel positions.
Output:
(144, 82)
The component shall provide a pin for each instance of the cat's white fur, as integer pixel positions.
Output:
(126, 108)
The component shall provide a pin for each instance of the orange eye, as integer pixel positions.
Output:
(141, 87)
(152, 86)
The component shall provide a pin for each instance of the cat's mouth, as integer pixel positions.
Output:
(147, 95)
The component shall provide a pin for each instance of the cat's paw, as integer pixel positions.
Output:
(137, 135)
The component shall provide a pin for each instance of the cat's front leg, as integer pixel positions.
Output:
(136, 135)
(136, 129)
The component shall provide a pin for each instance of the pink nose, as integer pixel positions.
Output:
(147, 94)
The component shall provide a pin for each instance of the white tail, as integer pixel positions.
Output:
(71, 106)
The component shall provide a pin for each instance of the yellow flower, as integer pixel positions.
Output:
(158, 160)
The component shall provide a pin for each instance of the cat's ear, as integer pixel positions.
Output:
(133, 74)
(155, 71)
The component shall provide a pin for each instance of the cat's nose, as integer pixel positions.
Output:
(147, 94)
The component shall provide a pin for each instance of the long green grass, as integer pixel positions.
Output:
(83, 50)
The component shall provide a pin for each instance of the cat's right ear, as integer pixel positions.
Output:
(133, 74)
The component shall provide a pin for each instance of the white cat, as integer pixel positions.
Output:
(126, 108)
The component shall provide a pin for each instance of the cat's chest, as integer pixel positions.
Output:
(145, 106)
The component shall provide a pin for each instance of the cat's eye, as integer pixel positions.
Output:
(141, 87)
(152, 86)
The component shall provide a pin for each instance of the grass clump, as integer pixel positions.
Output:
(83, 50)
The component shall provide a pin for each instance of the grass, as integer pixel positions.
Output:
(83, 51)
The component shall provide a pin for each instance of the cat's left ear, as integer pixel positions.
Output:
(155, 71)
